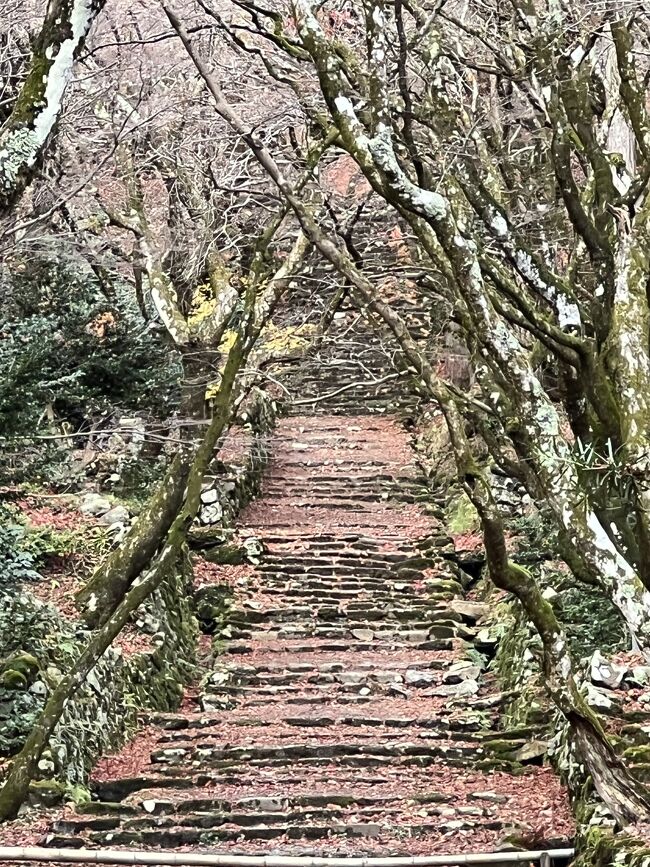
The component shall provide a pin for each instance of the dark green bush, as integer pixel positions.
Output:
(72, 354)
(17, 562)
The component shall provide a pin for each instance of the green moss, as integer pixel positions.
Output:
(499, 745)
(590, 620)
(13, 680)
(19, 670)
(79, 795)
(599, 847)
(102, 808)
(641, 771)
(461, 516)
(226, 555)
(637, 754)
(637, 734)
(47, 792)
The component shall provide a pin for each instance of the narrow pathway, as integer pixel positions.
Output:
(348, 712)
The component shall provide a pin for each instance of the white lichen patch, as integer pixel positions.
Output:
(21, 147)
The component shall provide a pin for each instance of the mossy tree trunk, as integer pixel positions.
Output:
(25, 764)
(26, 132)
(98, 599)
(167, 546)
(626, 797)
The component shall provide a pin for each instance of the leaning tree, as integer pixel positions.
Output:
(513, 141)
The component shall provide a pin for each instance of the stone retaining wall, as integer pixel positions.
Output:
(517, 664)
(146, 670)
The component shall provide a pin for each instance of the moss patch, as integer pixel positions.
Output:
(461, 516)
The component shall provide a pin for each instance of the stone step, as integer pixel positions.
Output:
(344, 539)
(351, 558)
(319, 479)
(358, 505)
(342, 485)
(306, 669)
(282, 813)
(177, 837)
(314, 498)
(211, 756)
(412, 677)
(331, 592)
(304, 566)
(349, 581)
(242, 648)
(179, 723)
(420, 615)
(277, 805)
(438, 729)
(285, 737)
(357, 588)
(417, 632)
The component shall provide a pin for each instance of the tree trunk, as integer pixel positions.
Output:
(625, 797)
(25, 133)
(99, 598)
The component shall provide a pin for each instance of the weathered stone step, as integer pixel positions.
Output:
(208, 721)
(332, 593)
(380, 663)
(378, 575)
(436, 729)
(172, 786)
(350, 558)
(114, 791)
(343, 540)
(417, 632)
(422, 591)
(304, 566)
(365, 735)
(385, 811)
(317, 690)
(175, 728)
(177, 837)
(317, 498)
(419, 615)
(356, 505)
(211, 756)
(334, 581)
(319, 482)
(278, 522)
(241, 648)
(320, 479)
(346, 677)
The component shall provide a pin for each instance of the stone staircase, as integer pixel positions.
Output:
(349, 711)
(354, 371)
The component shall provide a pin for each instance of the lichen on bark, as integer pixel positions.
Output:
(26, 132)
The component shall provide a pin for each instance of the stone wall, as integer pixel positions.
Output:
(595, 634)
(40, 644)
(235, 476)
(146, 668)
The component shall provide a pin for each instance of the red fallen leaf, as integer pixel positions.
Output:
(55, 514)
